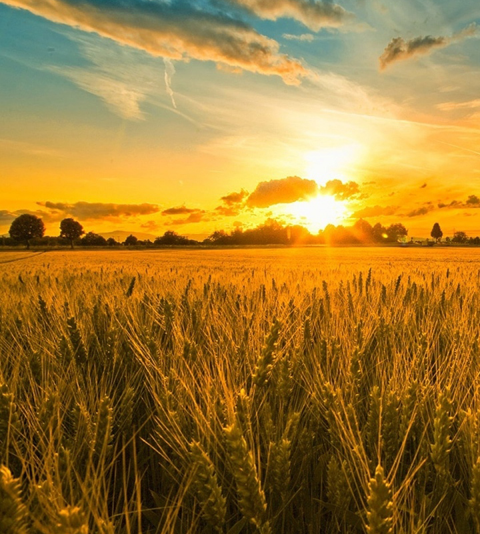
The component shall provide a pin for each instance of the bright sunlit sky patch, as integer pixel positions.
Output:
(197, 116)
(318, 212)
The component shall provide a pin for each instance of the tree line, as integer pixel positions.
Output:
(30, 229)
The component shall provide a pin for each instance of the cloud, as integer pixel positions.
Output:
(235, 198)
(228, 211)
(151, 226)
(473, 201)
(232, 204)
(454, 204)
(400, 50)
(420, 211)
(375, 211)
(340, 190)
(169, 72)
(6, 217)
(306, 37)
(284, 191)
(313, 14)
(181, 210)
(198, 216)
(99, 210)
(451, 106)
(178, 31)
(124, 78)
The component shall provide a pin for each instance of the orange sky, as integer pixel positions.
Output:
(151, 118)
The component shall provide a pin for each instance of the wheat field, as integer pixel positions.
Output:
(307, 390)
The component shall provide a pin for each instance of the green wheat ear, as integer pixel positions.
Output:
(380, 507)
(207, 489)
(13, 513)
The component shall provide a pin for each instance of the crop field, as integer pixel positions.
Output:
(288, 391)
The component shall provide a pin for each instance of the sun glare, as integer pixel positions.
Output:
(318, 212)
(326, 164)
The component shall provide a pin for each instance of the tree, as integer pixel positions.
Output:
(131, 240)
(436, 232)
(379, 233)
(172, 238)
(111, 242)
(93, 240)
(460, 237)
(395, 231)
(363, 231)
(27, 227)
(71, 230)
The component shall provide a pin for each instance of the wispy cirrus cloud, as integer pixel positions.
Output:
(452, 106)
(177, 31)
(400, 50)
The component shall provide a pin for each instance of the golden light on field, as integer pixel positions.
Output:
(327, 164)
(318, 212)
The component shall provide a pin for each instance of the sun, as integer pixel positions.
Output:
(321, 165)
(318, 212)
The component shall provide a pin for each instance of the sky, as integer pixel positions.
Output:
(196, 116)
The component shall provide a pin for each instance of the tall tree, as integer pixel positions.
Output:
(93, 240)
(131, 240)
(436, 232)
(395, 231)
(27, 227)
(71, 230)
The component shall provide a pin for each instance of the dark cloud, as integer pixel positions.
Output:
(340, 190)
(423, 186)
(420, 211)
(453, 204)
(235, 198)
(99, 210)
(7, 217)
(399, 50)
(181, 210)
(176, 30)
(375, 211)
(472, 202)
(314, 15)
(284, 191)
